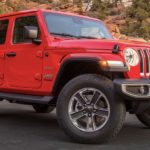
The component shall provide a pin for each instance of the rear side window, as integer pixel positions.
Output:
(18, 35)
(3, 30)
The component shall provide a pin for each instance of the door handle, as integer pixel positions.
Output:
(11, 54)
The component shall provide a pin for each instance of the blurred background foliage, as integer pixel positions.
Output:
(130, 17)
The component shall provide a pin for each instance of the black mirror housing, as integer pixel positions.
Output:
(30, 32)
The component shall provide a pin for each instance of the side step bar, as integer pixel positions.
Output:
(21, 98)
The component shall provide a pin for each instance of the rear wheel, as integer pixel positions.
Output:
(88, 111)
(145, 117)
(43, 108)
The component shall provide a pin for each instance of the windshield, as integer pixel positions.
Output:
(72, 26)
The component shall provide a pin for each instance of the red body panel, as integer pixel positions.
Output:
(35, 67)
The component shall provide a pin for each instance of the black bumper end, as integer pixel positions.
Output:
(133, 89)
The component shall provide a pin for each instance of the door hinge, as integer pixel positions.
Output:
(39, 54)
(38, 76)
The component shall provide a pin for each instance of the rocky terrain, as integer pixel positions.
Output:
(115, 22)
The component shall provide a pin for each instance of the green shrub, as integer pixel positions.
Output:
(1, 11)
(137, 19)
(101, 7)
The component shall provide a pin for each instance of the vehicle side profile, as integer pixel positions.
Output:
(51, 59)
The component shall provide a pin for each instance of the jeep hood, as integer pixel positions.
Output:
(97, 44)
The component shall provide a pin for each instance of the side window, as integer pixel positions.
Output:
(18, 35)
(3, 30)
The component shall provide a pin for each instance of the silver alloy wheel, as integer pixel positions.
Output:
(89, 109)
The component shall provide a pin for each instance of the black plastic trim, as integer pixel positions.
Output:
(116, 49)
(141, 61)
(26, 98)
(62, 67)
(118, 87)
(147, 61)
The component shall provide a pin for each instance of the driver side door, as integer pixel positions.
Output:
(24, 62)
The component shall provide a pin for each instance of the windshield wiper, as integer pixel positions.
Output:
(70, 35)
(63, 34)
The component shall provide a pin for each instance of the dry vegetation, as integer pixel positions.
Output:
(124, 22)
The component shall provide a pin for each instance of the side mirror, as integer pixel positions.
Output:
(31, 32)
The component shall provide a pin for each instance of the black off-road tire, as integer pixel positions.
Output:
(43, 108)
(145, 117)
(117, 107)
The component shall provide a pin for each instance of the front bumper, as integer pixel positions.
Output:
(133, 89)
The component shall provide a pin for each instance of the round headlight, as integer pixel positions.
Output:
(131, 57)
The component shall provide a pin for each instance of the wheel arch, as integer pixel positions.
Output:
(73, 67)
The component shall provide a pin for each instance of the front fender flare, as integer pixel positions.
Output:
(83, 58)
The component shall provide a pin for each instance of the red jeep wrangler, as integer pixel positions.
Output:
(52, 59)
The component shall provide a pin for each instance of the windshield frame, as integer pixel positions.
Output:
(80, 17)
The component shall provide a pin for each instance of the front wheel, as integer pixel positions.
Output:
(144, 117)
(88, 111)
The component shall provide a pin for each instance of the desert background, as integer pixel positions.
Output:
(126, 19)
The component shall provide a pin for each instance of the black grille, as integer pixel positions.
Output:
(144, 55)
(141, 62)
(147, 59)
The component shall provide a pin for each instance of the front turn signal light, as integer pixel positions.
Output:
(104, 64)
(108, 65)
